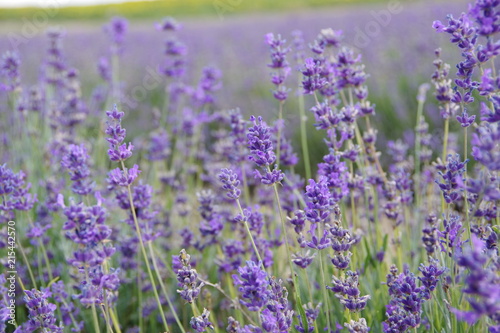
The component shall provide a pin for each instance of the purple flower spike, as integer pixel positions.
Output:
(9, 68)
(41, 312)
(75, 160)
(230, 183)
(261, 151)
(200, 323)
(253, 283)
(465, 120)
(119, 177)
(319, 200)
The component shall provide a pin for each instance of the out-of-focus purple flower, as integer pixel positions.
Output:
(159, 146)
(481, 282)
(230, 183)
(465, 120)
(119, 177)
(303, 260)
(336, 175)
(104, 69)
(75, 160)
(358, 326)
(484, 143)
(454, 170)
(117, 29)
(168, 24)
(280, 65)
(9, 68)
(202, 322)
(13, 191)
(451, 236)
(253, 286)
(312, 72)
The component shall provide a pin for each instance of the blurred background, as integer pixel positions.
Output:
(395, 39)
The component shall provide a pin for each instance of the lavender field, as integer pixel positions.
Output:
(330, 169)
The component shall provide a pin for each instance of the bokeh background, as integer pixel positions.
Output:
(397, 50)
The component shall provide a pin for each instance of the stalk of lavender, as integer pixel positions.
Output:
(230, 183)
(261, 152)
(298, 42)
(282, 70)
(116, 29)
(422, 90)
(119, 152)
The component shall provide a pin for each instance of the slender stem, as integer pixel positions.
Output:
(163, 288)
(325, 294)
(94, 312)
(250, 235)
(418, 156)
(287, 246)
(278, 143)
(144, 254)
(30, 272)
(303, 135)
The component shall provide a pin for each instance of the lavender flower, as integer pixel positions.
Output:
(14, 191)
(253, 284)
(311, 314)
(116, 29)
(481, 282)
(319, 200)
(347, 291)
(200, 323)
(75, 160)
(451, 175)
(280, 65)
(41, 312)
(261, 152)
(187, 279)
(9, 68)
(230, 183)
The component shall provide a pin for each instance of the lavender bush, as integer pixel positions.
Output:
(205, 222)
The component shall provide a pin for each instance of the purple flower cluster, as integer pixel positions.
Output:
(187, 279)
(405, 308)
(201, 323)
(175, 51)
(347, 291)
(261, 152)
(253, 286)
(279, 64)
(14, 191)
(41, 312)
(75, 161)
(119, 151)
(482, 281)
(9, 70)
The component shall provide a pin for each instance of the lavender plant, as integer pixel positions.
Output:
(358, 237)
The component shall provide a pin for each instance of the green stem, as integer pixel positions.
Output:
(287, 246)
(303, 136)
(144, 254)
(250, 234)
